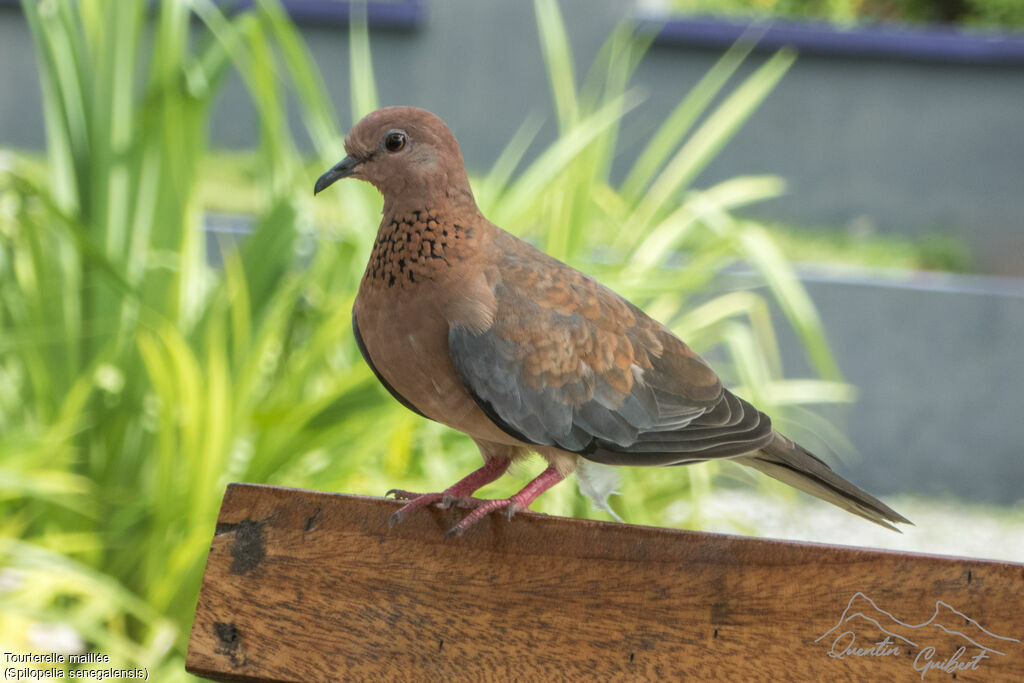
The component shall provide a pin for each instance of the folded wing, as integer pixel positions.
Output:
(569, 363)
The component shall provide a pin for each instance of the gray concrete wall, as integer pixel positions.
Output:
(937, 368)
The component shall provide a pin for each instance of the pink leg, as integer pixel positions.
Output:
(519, 501)
(491, 470)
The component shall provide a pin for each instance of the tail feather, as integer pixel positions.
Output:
(792, 464)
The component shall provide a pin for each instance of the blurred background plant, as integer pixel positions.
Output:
(967, 13)
(142, 368)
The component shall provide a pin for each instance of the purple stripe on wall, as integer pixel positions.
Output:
(930, 43)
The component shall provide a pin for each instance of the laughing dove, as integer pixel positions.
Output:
(469, 326)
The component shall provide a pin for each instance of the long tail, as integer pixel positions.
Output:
(792, 464)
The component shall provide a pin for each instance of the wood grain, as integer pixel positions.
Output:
(307, 586)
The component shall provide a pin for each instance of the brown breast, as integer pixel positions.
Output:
(422, 276)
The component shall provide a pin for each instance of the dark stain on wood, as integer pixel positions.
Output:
(248, 549)
(228, 641)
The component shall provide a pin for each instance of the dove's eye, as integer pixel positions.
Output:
(394, 141)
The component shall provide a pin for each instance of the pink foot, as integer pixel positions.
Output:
(455, 495)
(520, 501)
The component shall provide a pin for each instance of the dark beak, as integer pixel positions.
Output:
(342, 169)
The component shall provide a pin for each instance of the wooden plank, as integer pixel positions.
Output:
(307, 586)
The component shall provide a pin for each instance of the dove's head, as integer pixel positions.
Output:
(405, 152)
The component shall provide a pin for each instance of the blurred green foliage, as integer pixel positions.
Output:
(977, 13)
(137, 380)
(853, 245)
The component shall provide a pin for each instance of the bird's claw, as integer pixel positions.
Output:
(481, 509)
(416, 501)
(510, 511)
(395, 519)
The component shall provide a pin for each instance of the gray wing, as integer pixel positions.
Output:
(569, 363)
